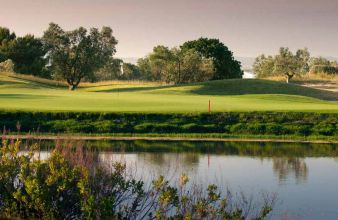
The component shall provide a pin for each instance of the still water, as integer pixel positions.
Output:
(304, 176)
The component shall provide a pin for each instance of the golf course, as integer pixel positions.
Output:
(26, 93)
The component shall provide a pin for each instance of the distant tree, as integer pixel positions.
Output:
(110, 71)
(130, 72)
(78, 54)
(176, 65)
(5, 34)
(6, 38)
(264, 66)
(303, 57)
(193, 68)
(226, 67)
(145, 69)
(286, 64)
(159, 60)
(319, 61)
(28, 54)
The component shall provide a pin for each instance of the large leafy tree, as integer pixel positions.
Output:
(285, 63)
(28, 54)
(78, 54)
(130, 72)
(225, 65)
(110, 71)
(176, 65)
(6, 38)
(263, 66)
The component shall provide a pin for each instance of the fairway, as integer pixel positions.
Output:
(227, 95)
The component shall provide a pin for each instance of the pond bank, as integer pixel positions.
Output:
(163, 138)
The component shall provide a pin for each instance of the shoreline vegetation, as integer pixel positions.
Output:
(76, 186)
(173, 137)
(226, 126)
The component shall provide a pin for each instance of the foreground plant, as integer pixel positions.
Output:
(65, 186)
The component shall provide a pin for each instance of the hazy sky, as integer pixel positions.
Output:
(247, 27)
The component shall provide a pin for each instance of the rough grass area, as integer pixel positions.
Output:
(27, 93)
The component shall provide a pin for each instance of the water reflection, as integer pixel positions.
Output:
(304, 175)
(284, 168)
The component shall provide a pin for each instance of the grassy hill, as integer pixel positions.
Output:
(19, 92)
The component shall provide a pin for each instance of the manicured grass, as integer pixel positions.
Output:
(31, 94)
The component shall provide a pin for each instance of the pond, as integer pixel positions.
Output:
(304, 176)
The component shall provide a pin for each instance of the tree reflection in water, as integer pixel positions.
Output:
(284, 167)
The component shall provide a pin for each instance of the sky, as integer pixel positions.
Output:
(246, 27)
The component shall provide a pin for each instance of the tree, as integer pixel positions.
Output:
(176, 65)
(28, 54)
(263, 66)
(110, 71)
(145, 69)
(303, 57)
(226, 67)
(193, 68)
(319, 61)
(77, 54)
(6, 38)
(159, 60)
(130, 72)
(286, 63)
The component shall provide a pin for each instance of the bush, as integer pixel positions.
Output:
(324, 129)
(192, 128)
(273, 128)
(324, 69)
(239, 128)
(144, 127)
(255, 123)
(256, 128)
(70, 185)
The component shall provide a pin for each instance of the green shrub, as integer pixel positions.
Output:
(192, 128)
(69, 185)
(324, 69)
(272, 123)
(144, 127)
(273, 128)
(255, 128)
(238, 128)
(165, 128)
(324, 129)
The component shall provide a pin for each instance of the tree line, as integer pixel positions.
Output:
(288, 64)
(88, 55)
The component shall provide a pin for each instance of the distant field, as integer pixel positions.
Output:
(32, 94)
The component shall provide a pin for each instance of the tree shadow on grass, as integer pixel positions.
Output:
(236, 87)
(254, 86)
(24, 96)
(136, 89)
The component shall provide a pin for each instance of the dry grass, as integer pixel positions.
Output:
(323, 81)
(34, 79)
(120, 82)
(50, 82)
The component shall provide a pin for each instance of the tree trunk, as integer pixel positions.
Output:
(288, 77)
(72, 87)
